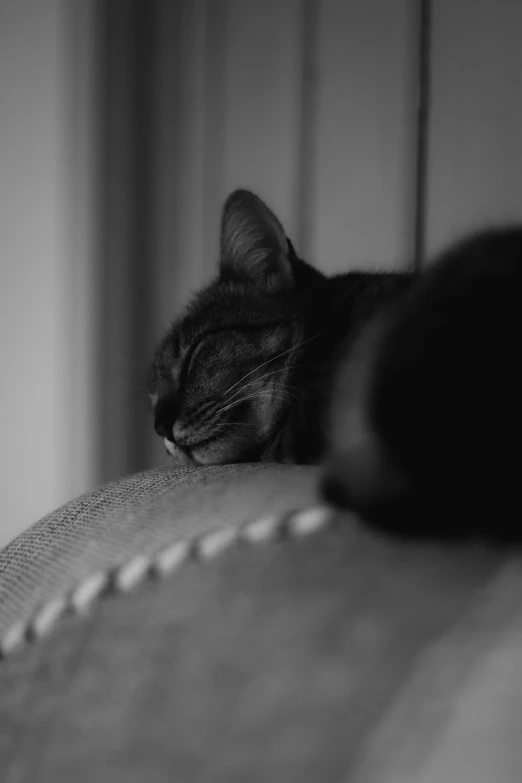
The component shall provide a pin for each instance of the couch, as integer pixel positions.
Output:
(223, 624)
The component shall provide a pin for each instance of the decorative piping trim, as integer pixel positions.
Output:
(160, 564)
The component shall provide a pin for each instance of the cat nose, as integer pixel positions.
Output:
(163, 428)
(165, 417)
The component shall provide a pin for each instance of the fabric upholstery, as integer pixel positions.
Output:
(340, 656)
(138, 514)
(337, 655)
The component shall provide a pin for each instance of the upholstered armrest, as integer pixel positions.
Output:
(137, 515)
(220, 625)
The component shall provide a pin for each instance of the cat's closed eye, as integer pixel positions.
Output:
(230, 387)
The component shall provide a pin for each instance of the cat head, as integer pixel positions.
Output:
(220, 379)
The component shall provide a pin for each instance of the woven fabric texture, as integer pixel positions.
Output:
(340, 656)
(138, 515)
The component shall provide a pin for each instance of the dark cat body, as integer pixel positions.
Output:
(425, 434)
(246, 373)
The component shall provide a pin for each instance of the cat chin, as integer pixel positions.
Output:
(211, 454)
(179, 456)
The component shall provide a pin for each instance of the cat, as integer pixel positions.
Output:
(404, 385)
(245, 373)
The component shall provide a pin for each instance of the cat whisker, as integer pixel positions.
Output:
(283, 353)
(236, 424)
(220, 426)
(235, 402)
(265, 375)
(264, 393)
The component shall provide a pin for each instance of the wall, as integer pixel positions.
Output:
(45, 237)
(475, 163)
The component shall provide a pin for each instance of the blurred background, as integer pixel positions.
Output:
(375, 129)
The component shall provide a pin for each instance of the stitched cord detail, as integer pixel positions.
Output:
(164, 562)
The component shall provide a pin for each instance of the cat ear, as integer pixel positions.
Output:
(254, 248)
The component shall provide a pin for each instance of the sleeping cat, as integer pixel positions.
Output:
(424, 372)
(245, 374)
